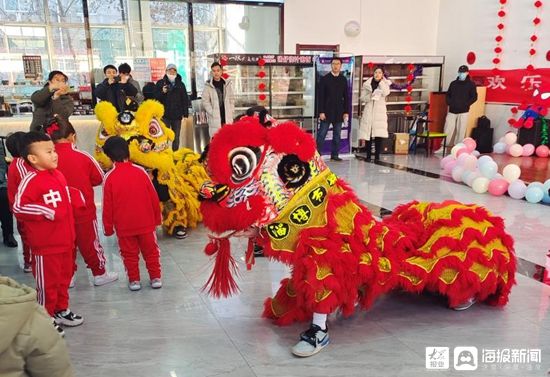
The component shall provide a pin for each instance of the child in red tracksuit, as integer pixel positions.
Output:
(43, 203)
(16, 171)
(131, 208)
(83, 173)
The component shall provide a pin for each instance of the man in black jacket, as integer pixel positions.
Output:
(171, 92)
(461, 95)
(115, 88)
(333, 107)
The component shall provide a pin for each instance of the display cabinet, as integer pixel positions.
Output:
(286, 87)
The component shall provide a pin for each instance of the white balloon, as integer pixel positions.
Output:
(480, 185)
(511, 172)
(476, 153)
(457, 173)
(510, 138)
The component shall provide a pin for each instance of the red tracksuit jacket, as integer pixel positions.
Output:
(81, 172)
(16, 171)
(130, 202)
(43, 204)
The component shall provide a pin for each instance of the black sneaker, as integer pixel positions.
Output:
(258, 251)
(180, 233)
(58, 328)
(311, 341)
(335, 158)
(68, 318)
(10, 241)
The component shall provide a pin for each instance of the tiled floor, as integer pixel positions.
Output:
(179, 331)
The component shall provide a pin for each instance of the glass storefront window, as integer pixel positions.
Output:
(65, 11)
(108, 46)
(206, 42)
(26, 40)
(22, 11)
(107, 11)
(168, 13)
(171, 44)
(69, 47)
(208, 14)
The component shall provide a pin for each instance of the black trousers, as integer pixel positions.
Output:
(377, 148)
(6, 216)
(175, 125)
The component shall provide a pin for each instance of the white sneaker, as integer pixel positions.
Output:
(134, 285)
(71, 284)
(465, 305)
(156, 283)
(311, 341)
(106, 278)
(68, 318)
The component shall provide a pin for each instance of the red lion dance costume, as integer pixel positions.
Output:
(271, 182)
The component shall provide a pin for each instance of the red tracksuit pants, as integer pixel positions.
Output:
(26, 248)
(53, 273)
(87, 241)
(130, 247)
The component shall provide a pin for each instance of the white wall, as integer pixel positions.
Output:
(470, 25)
(405, 27)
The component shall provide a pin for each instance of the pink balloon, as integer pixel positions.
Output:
(444, 161)
(528, 150)
(498, 187)
(470, 162)
(470, 144)
(516, 150)
(542, 151)
(449, 167)
(461, 151)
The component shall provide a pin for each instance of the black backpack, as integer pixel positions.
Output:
(483, 135)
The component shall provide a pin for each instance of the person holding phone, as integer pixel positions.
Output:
(171, 92)
(52, 99)
(115, 88)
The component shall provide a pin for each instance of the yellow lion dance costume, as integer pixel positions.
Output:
(149, 143)
(271, 181)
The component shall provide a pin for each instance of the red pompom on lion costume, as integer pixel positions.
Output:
(271, 181)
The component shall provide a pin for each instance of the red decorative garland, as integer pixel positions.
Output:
(262, 85)
(223, 63)
(533, 39)
(499, 38)
(410, 79)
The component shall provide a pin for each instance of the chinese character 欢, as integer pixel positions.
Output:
(496, 82)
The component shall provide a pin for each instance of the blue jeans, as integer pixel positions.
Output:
(322, 134)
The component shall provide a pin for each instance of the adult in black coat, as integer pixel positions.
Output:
(461, 95)
(171, 92)
(333, 107)
(115, 88)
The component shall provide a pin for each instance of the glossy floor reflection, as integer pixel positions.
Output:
(179, 331)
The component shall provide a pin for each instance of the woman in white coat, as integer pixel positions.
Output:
(374, 121)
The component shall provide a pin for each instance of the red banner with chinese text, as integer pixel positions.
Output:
(513, 86)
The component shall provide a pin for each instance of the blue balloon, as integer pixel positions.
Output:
(499, 148)
(488, 169)
(546, 191)
(534, 194)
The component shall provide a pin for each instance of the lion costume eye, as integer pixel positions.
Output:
(155, 130)
(103, 135)
(243, 162)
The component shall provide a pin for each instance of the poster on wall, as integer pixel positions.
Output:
(32, 66)
(323, 67)
(513, 86)
(158, 68)
(141, 70)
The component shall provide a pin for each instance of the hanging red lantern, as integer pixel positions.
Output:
(410, 77)
(501, 13)
(225, 76)
(538, 4)
(471, 58)
(410, 67)
(530, 67)
(370, 65)
(223, 61)
(500, 26)
(409, 88)
(536, 20)
(498, 38)
(261, 62)
(511, 121)
(496, 60)
(498, 50)
(261, 74)
(408, 108)
(503, 2)
(532, 52)
(534, 38)
(262, 97)
(408, 98)
(261, 86)
(548, 55)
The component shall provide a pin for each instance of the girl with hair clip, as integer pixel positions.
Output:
(83, 173)
(374, 121)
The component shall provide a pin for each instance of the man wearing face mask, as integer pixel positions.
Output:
(461, 95)
(171, 92)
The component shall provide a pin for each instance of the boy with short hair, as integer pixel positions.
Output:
(131, 208)
(43, 203)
